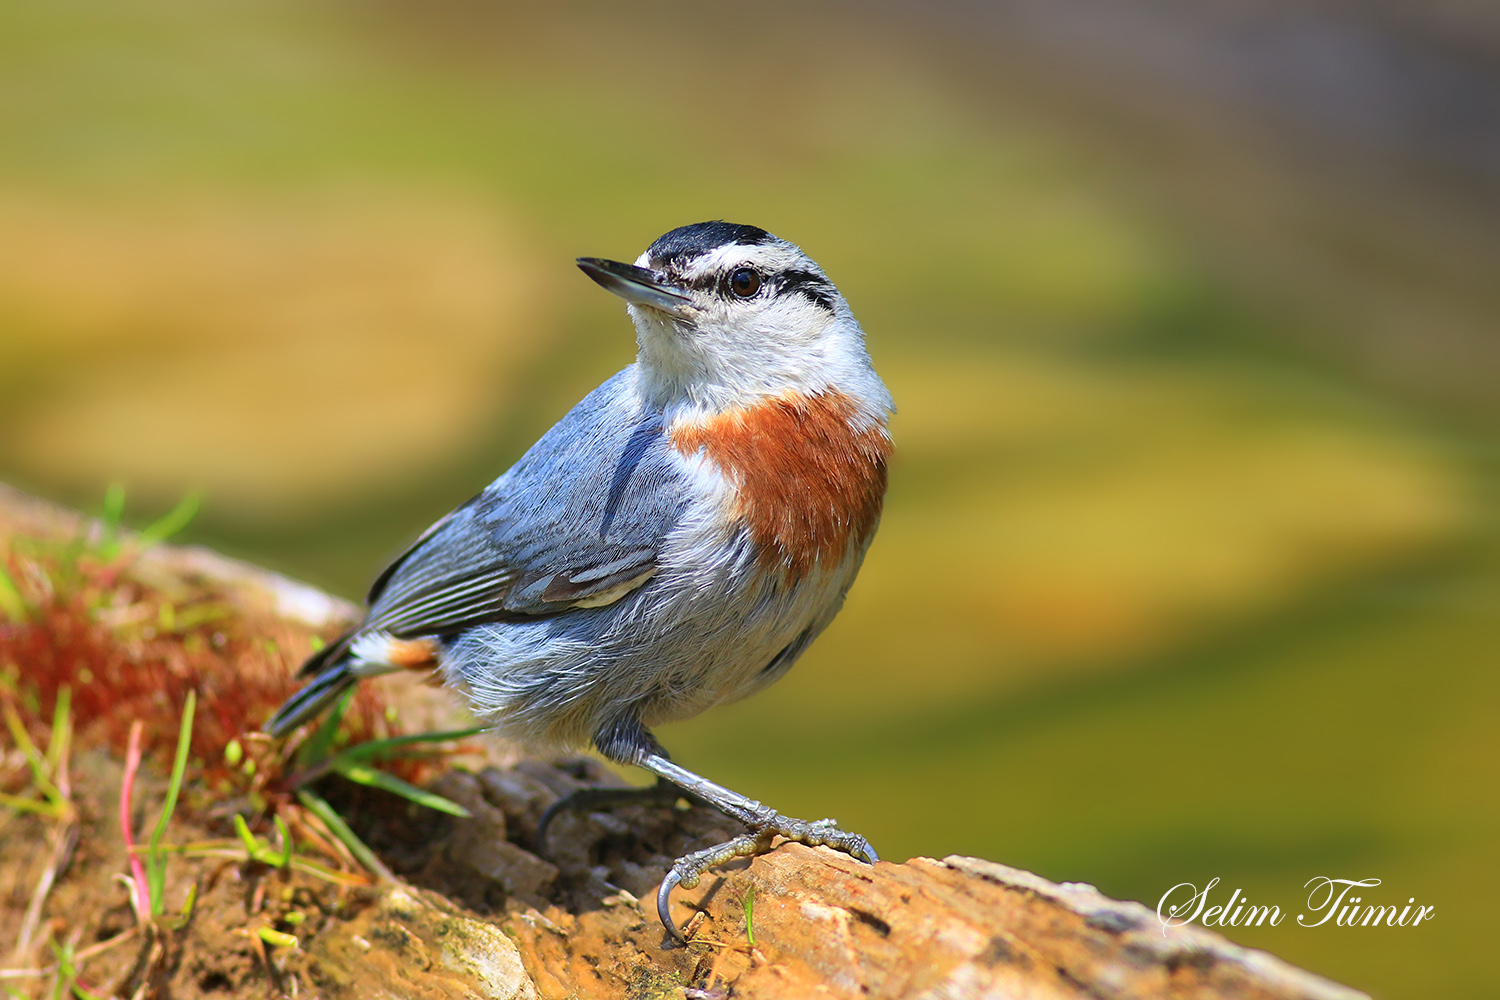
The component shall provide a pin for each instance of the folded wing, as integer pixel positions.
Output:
(578, 522)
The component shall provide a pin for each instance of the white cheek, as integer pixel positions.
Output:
(786, 334)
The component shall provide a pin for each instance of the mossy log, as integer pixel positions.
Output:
(474, 913)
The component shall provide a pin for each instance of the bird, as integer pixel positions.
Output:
(675, 542)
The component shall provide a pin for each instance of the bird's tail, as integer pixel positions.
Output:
(322, 691)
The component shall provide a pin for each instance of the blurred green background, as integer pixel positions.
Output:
(1190, 564)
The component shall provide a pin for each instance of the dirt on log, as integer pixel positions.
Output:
(467, 906)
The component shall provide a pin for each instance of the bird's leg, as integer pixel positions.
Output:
(624, 741)
(765, 825)
(585, 800)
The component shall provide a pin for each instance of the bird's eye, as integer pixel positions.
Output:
(745, 282)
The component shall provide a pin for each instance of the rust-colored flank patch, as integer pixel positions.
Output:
(412, 654)
(810, 485)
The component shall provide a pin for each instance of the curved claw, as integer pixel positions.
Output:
(764, 824)
(689, 869)
(664, 905)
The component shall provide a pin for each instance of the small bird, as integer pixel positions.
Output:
(674, 543)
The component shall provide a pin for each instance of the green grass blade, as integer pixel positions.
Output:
(110, 518)
(284, 858)
(371, 749)
(171, 522)
(263, 852)
(156, 865)
(62, 728)
(277, 939)
(336, 825)
(750, 915)
(36, 806)
(34, 760)
(390, 783)
(62, 954)
(191, 902)
(12, 604)
(252, 846)
(307, 867)
(317, 749)
(230, 850)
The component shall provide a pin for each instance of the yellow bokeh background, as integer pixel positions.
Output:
(1189, 564)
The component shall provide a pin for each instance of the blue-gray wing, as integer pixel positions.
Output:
(577, 522)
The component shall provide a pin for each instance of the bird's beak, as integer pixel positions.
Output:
(636, 285)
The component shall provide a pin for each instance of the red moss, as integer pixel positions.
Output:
(126, 653)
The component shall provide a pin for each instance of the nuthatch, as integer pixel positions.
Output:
(674, 543)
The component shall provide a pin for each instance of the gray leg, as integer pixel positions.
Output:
(765, 825)
(584, 800)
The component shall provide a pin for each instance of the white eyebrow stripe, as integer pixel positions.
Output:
(769, 257)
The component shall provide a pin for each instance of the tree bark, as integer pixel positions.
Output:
(823, 924)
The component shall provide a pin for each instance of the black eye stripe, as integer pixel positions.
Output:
(814, 287)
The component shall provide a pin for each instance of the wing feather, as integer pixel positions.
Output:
(578, 522)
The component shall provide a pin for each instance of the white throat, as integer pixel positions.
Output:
(717, 360)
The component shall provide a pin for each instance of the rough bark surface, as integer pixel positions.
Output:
(474, 912)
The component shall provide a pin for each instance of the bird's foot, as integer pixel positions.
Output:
(586, 800)
(765, 828)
